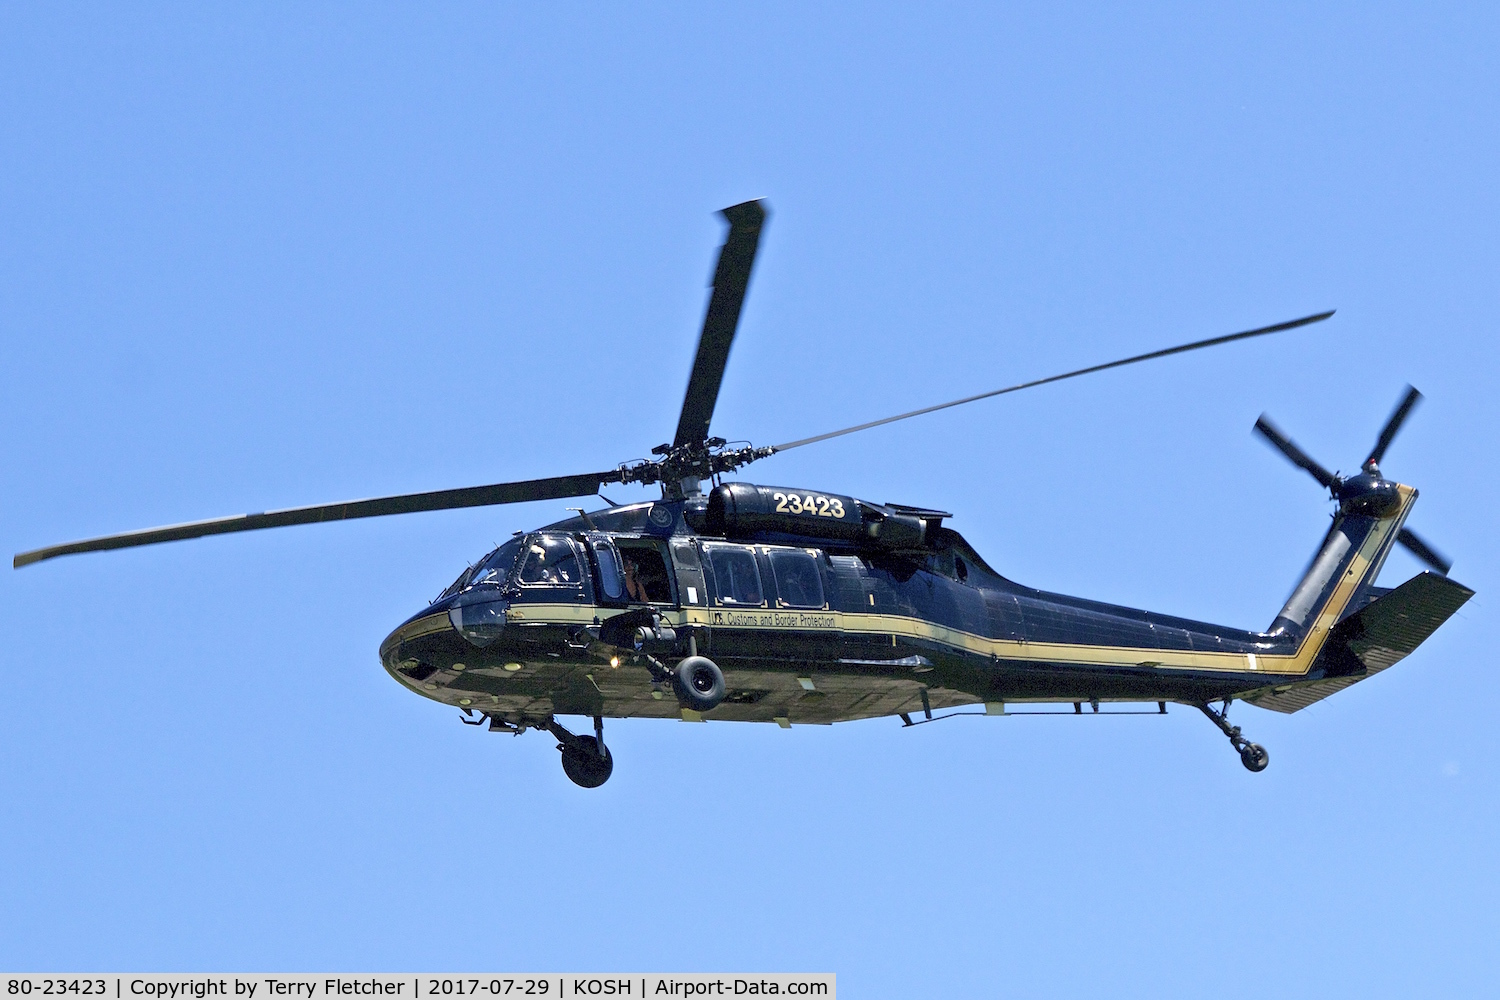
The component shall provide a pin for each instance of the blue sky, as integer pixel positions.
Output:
(254, 257)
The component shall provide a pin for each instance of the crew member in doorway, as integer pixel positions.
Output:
(635, 589)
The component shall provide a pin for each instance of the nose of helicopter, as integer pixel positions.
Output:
(477, 615)
(431, 621)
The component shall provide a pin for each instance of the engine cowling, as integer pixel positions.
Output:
(745, 510)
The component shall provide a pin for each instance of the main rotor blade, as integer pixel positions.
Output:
(1195, 345)
(1273, 434)
(731, 278)
(1423, 551)
(409, 503)
(1398, 417)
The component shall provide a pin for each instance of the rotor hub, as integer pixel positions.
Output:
(1368, 494)
(680, 469)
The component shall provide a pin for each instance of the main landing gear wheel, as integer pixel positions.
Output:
(699, 683)
(1254, 757)
(585, 759)
(584, 764)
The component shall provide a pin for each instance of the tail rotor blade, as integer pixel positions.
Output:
(1398, 417)
(1423, 551)
(731, 278)
(1299, 458)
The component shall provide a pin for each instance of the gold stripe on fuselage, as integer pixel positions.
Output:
(1297, 663)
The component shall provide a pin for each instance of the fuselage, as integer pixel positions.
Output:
(819, 630)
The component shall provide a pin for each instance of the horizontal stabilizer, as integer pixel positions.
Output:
(1379, 635)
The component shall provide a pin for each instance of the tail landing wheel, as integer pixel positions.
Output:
(1252, 755)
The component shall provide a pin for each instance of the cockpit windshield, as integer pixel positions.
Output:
(496, 567)
(458, 584)
(492, 569)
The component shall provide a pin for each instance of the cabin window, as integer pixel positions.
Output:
(798, 582)
(645, 572)
(735, 574)
(551, 562)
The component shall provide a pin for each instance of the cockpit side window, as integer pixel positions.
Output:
(735, 574)
(551, 562)
(798, 582)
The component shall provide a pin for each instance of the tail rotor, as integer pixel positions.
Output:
(1338, 485)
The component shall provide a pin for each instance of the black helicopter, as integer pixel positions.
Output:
(787, 605)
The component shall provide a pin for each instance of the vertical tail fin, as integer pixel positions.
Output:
(1347, 563)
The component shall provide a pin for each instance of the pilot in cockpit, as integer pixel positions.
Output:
(551, 562)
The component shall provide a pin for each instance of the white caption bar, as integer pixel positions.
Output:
(413, 985)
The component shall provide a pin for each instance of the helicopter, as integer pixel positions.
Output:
(725, 600)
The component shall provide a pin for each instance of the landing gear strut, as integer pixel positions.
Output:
(585, 759)
(1252, 755)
